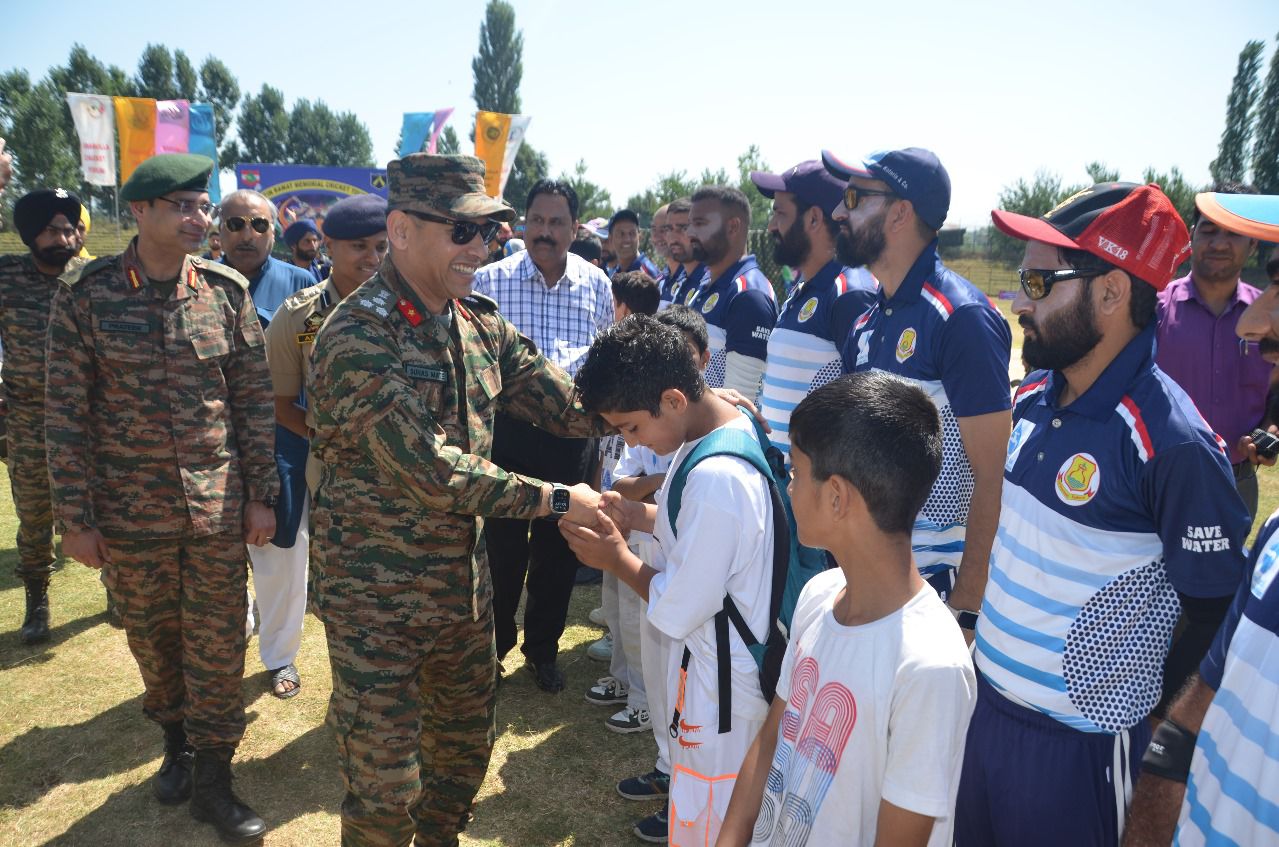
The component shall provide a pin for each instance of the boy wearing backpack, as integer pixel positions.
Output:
(864, 741)
(640, 377)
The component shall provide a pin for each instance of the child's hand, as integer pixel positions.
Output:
(601, 547)
(622, 512)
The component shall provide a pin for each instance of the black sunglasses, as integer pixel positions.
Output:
(1039, 283)
(853, 195)
(463, 231)
(238, 222)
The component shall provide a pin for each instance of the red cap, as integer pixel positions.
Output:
(1134, 227)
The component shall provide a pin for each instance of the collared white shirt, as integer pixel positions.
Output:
(562, 319)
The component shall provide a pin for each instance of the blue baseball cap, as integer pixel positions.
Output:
(809, 181)
(912, 173)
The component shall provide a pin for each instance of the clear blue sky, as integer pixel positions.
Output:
(638, 89)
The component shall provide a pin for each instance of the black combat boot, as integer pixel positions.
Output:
(172, 783)
(35, 626)
(214, 802)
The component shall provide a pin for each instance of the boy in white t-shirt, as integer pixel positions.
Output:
(640, 378)
(864, 741)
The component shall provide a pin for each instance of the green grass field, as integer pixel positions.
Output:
(76, 753)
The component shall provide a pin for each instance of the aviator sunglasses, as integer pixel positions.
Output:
(1038, 283)
(463, 231)
(238, 222)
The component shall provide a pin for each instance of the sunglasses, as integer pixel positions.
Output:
(1039, 283)
(853, 195)
(190, 207)
(238, 222)
(463, 231)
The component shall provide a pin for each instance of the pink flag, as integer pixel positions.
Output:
(441, 115)
(172, 126)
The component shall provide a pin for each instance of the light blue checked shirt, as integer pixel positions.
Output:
(562, 319)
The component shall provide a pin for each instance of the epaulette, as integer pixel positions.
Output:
(222, 270)
(483, 302)
(373, 296)
(10, 259)
(305, 295)
(74, 275)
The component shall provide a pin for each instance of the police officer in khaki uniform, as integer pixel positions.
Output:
(159, 430)
(406, 376)
(355, 236)
(46, 220)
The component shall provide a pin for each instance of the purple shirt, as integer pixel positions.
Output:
(1227, 380)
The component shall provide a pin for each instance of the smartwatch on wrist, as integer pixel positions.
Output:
(270, 501)
(965, 618)
(560, 499)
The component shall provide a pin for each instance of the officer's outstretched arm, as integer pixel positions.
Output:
(536, 390)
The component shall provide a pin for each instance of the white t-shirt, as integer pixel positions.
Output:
(878, 711)
(725, 545)
(641, 461)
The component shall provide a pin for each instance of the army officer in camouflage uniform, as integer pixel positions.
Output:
(406, 376)
(158, 421)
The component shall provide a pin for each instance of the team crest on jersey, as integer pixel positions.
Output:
(692, 295)
(1078, 480)
(906, 344)
(807, 310)
(710, 304)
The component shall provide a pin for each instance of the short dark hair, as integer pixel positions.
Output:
(554, 187)
(832, 225)
(1143, 299)
(682, 206)
(880, 433)
(631, 363)
(688, 321)
(1224, 186)
(1272, 267)
(587, 246)
(636, 291)
(623, 215)
(729, 198)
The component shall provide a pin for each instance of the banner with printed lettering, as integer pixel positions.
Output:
(135, 121)
(441, 117)
(307, 191)
(204, 141)
(94, 119)
(414, 132)
(172, 126)
(497, 139)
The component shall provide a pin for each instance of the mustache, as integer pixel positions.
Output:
(542, 239)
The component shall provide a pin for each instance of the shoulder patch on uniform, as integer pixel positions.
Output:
(222, 270)
(72, 276)
(483, 301)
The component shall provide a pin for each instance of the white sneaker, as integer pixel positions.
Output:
(608, 691)
(602, 650)
(597, 616)
(629, 720)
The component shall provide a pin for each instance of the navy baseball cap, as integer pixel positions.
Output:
(912, 173)
(809, 181)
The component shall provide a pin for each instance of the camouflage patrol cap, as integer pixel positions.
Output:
(167, 172)
(450, 185)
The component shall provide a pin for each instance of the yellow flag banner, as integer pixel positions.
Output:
(135, 122)
(497, 139)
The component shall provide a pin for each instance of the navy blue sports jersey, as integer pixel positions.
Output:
(740, 310)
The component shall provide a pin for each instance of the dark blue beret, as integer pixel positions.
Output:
(358, 216)
(298, 230)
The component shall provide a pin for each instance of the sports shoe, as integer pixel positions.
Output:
(629, 720)
(653, 828)
(653, 785)
(607, 691)
(597, 616)
(602, 650)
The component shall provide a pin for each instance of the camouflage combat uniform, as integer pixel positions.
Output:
(404, 405)
(160, 423)
(25, 295)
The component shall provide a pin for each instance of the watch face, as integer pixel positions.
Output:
(559, 501)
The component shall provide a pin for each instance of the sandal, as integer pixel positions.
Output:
(288, 673)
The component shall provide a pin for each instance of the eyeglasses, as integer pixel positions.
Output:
(1039, 283)
(853, 195)
(186, 208)
(238, 222)
(463, 231)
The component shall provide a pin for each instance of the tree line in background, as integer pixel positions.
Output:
(37, 123)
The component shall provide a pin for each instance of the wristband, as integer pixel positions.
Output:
(1170, 751)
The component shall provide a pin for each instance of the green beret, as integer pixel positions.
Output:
(165, 173)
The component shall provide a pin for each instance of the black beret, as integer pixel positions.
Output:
(358, 216)
(32, 212)
(165, 173)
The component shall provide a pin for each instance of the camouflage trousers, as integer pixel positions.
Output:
(413, 714)
(29, 482)
(183, 604)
